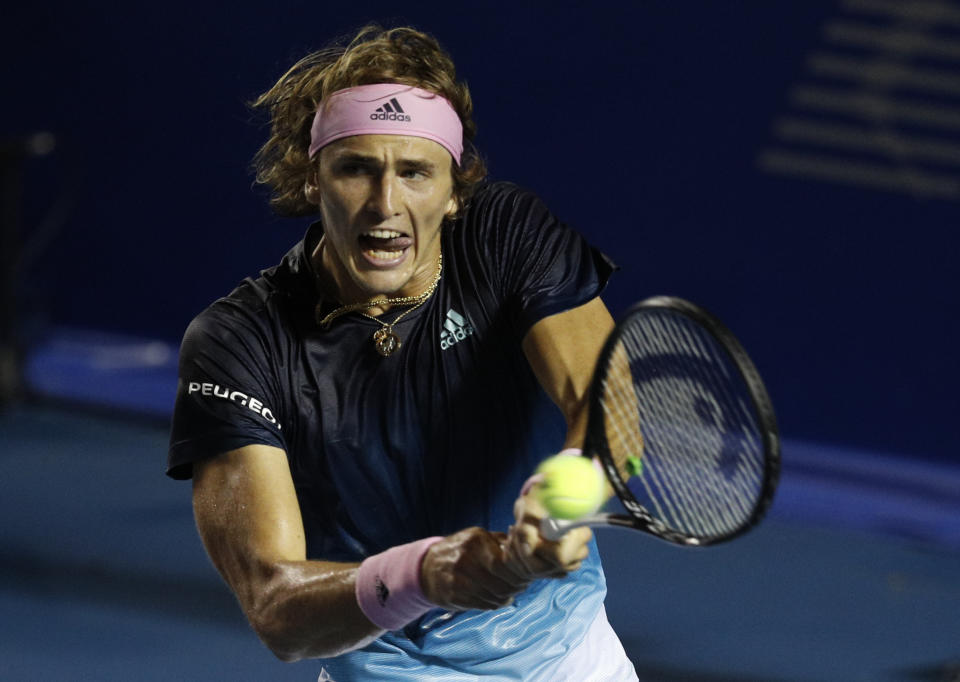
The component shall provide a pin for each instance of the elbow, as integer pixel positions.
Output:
(286, 641)
(295, 623)
(275, 637)
(286, 656)
(270, 620)
(266, 604)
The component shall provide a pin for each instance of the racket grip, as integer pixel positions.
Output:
(554, 529)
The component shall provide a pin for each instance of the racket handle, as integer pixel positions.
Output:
(554, 529)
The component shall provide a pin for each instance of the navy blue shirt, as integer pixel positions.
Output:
(437, 436)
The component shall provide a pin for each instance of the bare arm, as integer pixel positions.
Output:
(249, 519)
(562, 350)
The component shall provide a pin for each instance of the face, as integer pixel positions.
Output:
(382, 199)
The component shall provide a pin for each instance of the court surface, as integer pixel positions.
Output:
(854, 576)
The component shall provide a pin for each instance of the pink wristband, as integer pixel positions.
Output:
(388, 585)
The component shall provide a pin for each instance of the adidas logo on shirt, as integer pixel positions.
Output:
(391, 111)
(455, 329)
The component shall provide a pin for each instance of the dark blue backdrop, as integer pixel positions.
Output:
(652, 128)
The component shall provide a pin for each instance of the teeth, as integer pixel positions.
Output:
(383, 234)
(384, 255)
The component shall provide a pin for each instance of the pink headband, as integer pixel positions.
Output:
(387, 109)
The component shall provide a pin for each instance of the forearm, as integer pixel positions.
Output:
(312, 609)
(249, 520)
(562, 350)
(308, 609)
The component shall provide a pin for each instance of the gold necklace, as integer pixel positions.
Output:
(385, 340)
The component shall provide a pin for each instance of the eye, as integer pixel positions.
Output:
(350, 167)
(354, 168)
(414, 174)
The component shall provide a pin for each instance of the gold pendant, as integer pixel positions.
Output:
(385, 341)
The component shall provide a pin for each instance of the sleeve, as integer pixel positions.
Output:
(543, 266)
(227, 395)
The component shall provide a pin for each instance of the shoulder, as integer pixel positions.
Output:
(238, 306)
(253, 320)
(281, 297)
(500, 196)
(503, 212)
(228, 325)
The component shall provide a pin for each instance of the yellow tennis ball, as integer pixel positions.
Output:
(572, 486)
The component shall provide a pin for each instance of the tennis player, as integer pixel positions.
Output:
(359, 420)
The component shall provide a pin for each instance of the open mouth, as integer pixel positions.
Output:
(384, 247)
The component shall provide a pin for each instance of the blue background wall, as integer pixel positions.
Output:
(660, 129)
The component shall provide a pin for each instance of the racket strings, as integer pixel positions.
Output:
(714, 505)
(709, 397)
(627, 438)
(703, 454)
(697, 507)
(621, 414)
(621, 407)
(673, 496)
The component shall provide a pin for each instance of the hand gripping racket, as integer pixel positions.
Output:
(683, 427)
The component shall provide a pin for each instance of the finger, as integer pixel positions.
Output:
(503, 573)
(528, 508)
(527, 548)
(509, 568)
(521, 548)
(490, 583)
(574, 546)
(546, 558)
(469, 570)
(565, 556)
(479, 588)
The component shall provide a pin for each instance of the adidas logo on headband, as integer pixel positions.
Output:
(391, 111)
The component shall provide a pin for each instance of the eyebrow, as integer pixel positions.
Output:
(353, 157)
(367, 159)
(418, 164)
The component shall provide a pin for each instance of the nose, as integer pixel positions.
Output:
(383, 195)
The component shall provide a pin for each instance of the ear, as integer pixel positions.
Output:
(452, 207)
(311, 188)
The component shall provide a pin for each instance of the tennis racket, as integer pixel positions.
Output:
(683, 426)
